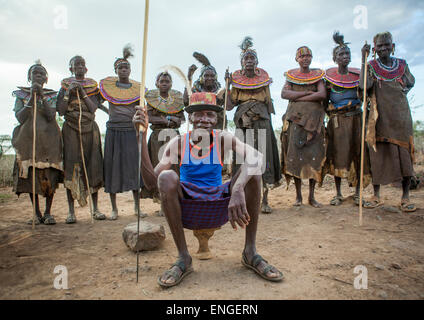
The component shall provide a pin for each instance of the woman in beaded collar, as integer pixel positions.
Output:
(389, 128)
(345, 123)
(48, 146)
(303, 148)
(250, 93)
(121, 151)
(79, 91)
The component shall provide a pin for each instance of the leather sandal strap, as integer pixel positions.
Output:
(180, 264)
(257, 259)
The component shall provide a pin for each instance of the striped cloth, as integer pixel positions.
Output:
(204, 207)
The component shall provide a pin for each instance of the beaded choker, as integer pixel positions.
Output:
(385, 73)
(89, 85)
(119, 95)
(297, 77)
(347, 81)
(260, 80)
(173, 104)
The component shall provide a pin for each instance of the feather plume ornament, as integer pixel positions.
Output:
(181, 75)
(339, 39)
(128, 52)
(202, 59)
(246, 44)
(38, 62)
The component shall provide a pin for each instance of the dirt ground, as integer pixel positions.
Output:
(316, 249)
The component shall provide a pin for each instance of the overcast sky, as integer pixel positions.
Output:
(54, 31)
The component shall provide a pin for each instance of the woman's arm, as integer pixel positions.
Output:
(288, 94)
(62, 101)
(318, 96)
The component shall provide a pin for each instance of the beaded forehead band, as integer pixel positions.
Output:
(302, 51)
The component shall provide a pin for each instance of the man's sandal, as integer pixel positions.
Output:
(408, 207)
(257, 259)
(174, 274)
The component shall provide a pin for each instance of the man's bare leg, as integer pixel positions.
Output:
(253, 201)
(170, 193)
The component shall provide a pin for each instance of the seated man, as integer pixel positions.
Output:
(199, 200)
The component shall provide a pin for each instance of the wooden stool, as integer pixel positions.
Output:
(203, 237)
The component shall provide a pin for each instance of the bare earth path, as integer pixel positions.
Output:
(317, 250)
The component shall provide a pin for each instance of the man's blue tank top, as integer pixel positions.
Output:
(205, 171)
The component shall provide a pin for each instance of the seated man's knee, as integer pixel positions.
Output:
(168, 181)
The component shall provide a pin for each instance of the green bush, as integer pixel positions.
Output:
(6, 170)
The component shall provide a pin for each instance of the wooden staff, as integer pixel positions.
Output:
(34, 136)
(142, 130)
(225, 102)
(364, 113)
(90, 200)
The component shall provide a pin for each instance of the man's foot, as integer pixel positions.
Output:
(97, 215)
(336, 201)
(71, 219)
(114, 215)
(265, 208)
(176, 274)
(407, 207)
(375, 202)
(49, 220)
(262, 268)
(315, 203)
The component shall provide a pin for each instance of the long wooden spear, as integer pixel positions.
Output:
(364, 114)
(90, 199)
(34, 137)
(142, 130)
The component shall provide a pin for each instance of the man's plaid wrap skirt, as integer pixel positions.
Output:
(204, 207)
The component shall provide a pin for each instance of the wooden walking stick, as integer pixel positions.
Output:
(225, 102)
(142, 130)
(90, 199)
(34, 136)
(364, 113)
